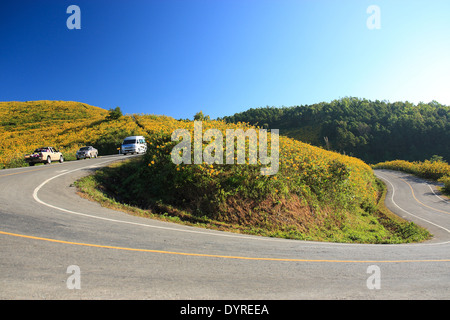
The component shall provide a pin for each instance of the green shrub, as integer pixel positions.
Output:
(446, 181)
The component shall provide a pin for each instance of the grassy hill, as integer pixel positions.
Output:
(65, 125)
(373, 131)
(316, 194)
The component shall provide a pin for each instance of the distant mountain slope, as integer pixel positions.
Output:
(65, 125)
(373, 131)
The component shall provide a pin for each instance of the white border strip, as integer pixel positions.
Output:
(224, 234)
(446, 201)
(38, 188)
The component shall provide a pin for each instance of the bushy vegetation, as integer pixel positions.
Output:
(427, 169)
(316, 194)
(446, 181)
(64, 125)
(373, 131)
(114, 114)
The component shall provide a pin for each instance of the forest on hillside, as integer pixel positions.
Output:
(373, 131)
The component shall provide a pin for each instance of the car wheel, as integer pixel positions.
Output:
(61, 159)
(49, 160)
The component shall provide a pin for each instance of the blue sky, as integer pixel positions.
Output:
(177, 57)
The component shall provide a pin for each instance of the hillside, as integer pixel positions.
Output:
(373, 131)
(66, 125)
(315, 194)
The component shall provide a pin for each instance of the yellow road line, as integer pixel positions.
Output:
(10, 174)
(215, 255)
(412, 191)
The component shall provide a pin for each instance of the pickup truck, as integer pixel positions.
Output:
(44, 155)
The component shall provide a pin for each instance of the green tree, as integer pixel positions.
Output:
(199, 116)
(436, 158)
(374, 131)
(114, 114)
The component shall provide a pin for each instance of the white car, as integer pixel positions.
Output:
(87, 152)
(134, 144)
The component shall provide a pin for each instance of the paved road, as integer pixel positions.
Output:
(52, 241)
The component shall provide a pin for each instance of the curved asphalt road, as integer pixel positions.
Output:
(45, 228)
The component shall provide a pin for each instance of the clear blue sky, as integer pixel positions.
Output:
(177, 57)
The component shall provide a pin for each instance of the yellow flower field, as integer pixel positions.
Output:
(426, 169)
(300, 165)
(67, 126)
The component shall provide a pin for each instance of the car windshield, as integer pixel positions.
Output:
(129, 141)
(41, 150)
(84, 149)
